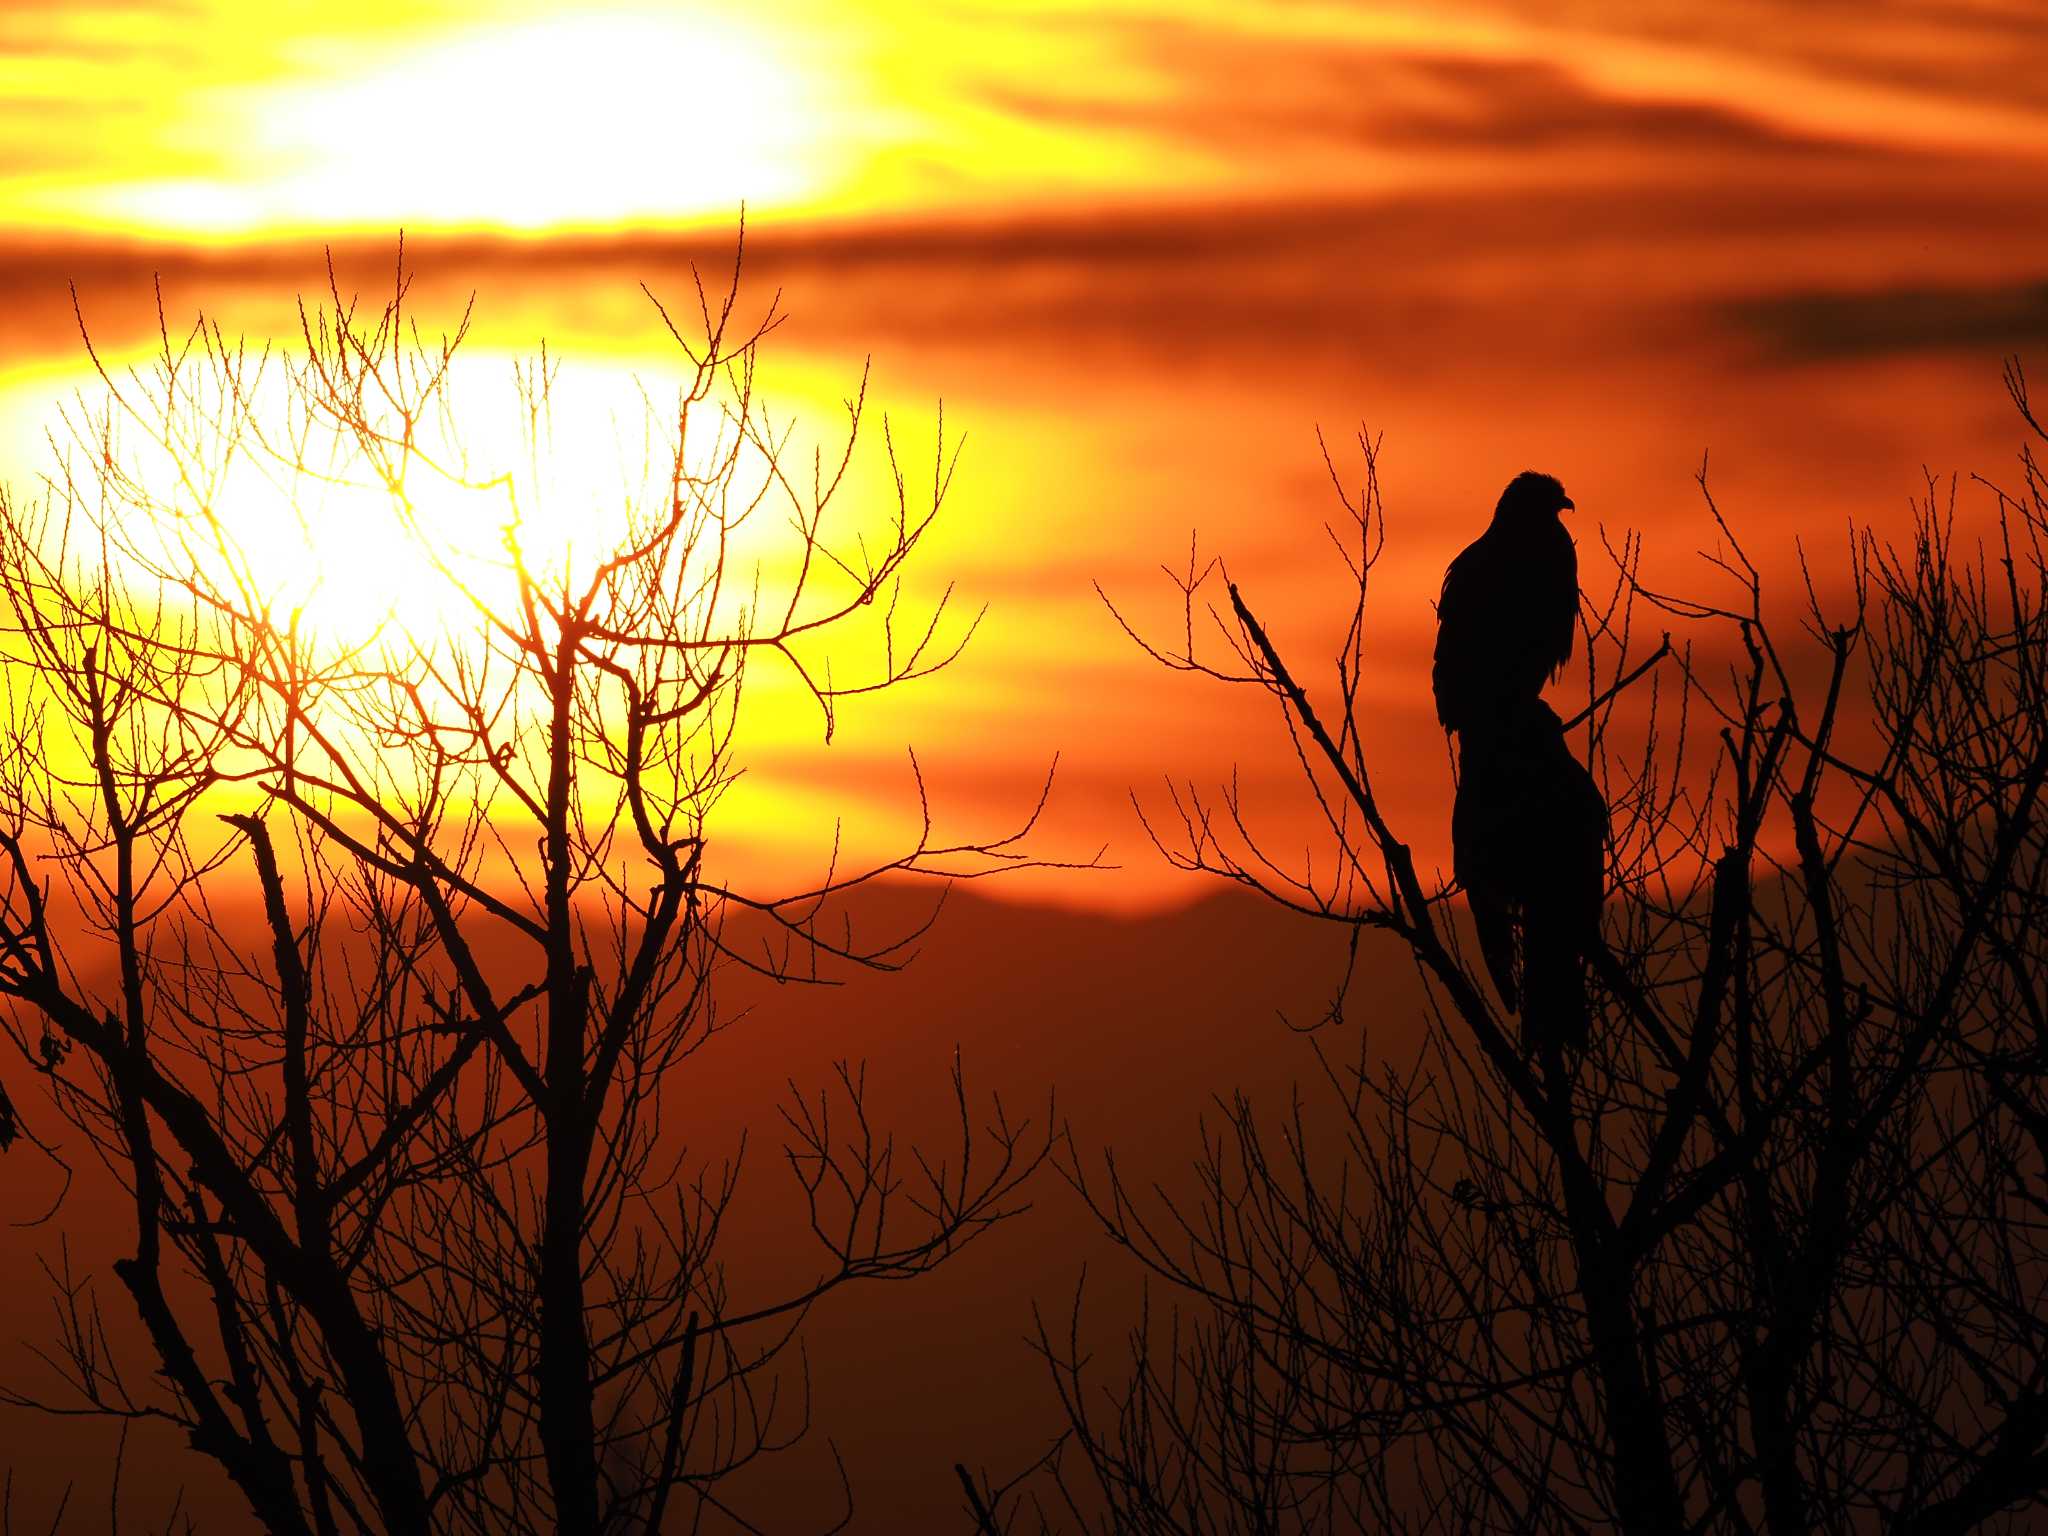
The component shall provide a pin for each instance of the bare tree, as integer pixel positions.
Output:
(1770, 1254)
(369, 957)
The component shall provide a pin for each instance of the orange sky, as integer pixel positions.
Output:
(1142, 253)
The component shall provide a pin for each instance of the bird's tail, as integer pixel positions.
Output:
(1496, 945)
(1553, 979)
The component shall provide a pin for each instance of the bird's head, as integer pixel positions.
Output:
(1530, 496)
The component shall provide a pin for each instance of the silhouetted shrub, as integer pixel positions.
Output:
(370, 955)
(1771, 1254)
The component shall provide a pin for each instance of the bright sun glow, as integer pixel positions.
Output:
(352, 557)
(588, 119)
(299, 523)
(279, 517)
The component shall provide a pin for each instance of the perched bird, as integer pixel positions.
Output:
(1509, 607)
(1529, 844)
(1529, 827)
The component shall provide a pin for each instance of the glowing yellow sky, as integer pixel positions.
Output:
(1142, 251)
(213, 117)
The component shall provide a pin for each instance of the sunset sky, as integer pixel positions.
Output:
(1142, 253)
(1139, 258)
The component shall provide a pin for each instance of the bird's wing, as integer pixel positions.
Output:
(1496, 933)
(1485, 844)
(1462, 619)
(1566, 849)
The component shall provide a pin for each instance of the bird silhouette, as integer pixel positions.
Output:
(1529, 826)
(1509, 608)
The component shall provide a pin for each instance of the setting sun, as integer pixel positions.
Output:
(582, 119)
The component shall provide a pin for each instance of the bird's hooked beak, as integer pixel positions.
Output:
(1568, 505)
